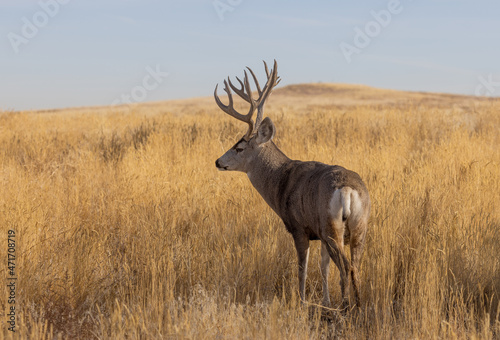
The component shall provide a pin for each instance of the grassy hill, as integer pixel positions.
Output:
(315, 96)
(125, 229)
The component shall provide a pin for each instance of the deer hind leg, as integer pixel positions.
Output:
(333, 239)
(357, 243)
(325, 269)
(356, 225)
(302, 247)
(336, 252)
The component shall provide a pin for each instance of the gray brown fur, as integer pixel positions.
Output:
(316, 201)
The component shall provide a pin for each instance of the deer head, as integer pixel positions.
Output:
(259, 131)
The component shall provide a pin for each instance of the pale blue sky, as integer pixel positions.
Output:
(95, 52)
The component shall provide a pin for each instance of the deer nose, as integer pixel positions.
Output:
(217, 164)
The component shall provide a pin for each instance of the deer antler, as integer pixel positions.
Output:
(245, 92)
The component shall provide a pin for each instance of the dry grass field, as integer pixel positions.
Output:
(125, 229)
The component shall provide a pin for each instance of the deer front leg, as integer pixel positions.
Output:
(302, 247)
(325, 269)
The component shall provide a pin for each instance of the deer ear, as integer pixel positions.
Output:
(265, 132)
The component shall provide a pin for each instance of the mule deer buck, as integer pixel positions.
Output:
(316, 201)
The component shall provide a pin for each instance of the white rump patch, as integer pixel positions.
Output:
(335, 207)
(345, 205)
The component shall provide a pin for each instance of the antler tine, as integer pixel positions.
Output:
(239, 91)
(272, 81)
(229, 109)
(223, 107)
(248, 89)
(265, 66)
(255, 81)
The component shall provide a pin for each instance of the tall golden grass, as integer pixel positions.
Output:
(125, 229)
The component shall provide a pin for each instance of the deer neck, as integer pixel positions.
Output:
(266, 172)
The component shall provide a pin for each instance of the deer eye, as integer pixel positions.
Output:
(239, 149)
